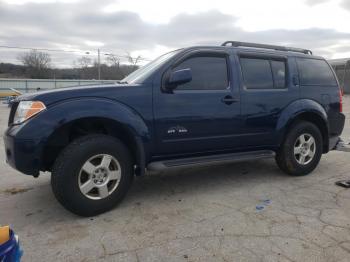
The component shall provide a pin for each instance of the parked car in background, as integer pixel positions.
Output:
(193, 106)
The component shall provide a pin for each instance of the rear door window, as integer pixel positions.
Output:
(261, 73)
(256, 73)
(279, 73)
(315, 72)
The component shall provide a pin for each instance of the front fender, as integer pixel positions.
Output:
(295, 109)
(42, 126)
(69, 110)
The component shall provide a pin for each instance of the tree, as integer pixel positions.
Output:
(37, 63)
(133, 60)
(84, 63)
(113, 60)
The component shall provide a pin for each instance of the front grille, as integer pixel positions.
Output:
(12, 112)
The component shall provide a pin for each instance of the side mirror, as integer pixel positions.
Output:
(179, 77)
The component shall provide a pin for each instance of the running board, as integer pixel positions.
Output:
(209, 160)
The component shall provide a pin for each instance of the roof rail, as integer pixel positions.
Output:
(274, 47)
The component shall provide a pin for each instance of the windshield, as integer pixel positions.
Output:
(142, 73)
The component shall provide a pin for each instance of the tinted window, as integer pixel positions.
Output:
(256, 73)
(315, 72)
(279, 73)
(209, 73)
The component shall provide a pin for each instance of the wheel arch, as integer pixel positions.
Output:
(304, 110)
(109, 118)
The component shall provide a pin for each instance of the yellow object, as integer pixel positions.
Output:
(4, 234)
(8, 93)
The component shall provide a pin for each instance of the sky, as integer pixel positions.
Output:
(151, 27)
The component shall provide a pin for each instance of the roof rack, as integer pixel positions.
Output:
(274, 47)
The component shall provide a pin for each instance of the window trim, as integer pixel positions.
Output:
(199, 53)
(269, 57)
(285, 74)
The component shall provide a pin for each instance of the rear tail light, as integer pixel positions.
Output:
(340, 100)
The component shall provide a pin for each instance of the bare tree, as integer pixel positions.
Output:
(84, 63)
(113, 60)
(37, 63)
(133, 60)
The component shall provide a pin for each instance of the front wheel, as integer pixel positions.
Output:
(302, 149)
(92, 174)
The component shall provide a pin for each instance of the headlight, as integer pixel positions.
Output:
(27, 109)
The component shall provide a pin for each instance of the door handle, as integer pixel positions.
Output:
(295, 80)
(228, 100)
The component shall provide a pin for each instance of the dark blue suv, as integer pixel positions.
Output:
(193, 106)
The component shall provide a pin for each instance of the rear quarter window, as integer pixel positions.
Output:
(315, 72)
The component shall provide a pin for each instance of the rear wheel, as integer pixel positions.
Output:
(92, 174)
(302, 149)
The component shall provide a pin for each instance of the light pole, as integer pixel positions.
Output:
(99, 64)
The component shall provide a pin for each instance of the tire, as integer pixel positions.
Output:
(103, 157)
(293, 164)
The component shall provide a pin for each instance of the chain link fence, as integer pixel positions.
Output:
(9, 86)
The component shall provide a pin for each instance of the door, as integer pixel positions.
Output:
(267, 88)
(201, 115)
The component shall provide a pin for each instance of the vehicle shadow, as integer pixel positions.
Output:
(198, 180)
(149, 189)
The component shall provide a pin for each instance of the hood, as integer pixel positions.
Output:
(110, 91)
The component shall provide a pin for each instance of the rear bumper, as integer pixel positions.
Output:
(336, 125)
(22, 154)
(333, 141)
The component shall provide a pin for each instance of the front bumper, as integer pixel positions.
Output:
(22, 154)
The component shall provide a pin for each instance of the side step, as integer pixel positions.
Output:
(209, 160)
